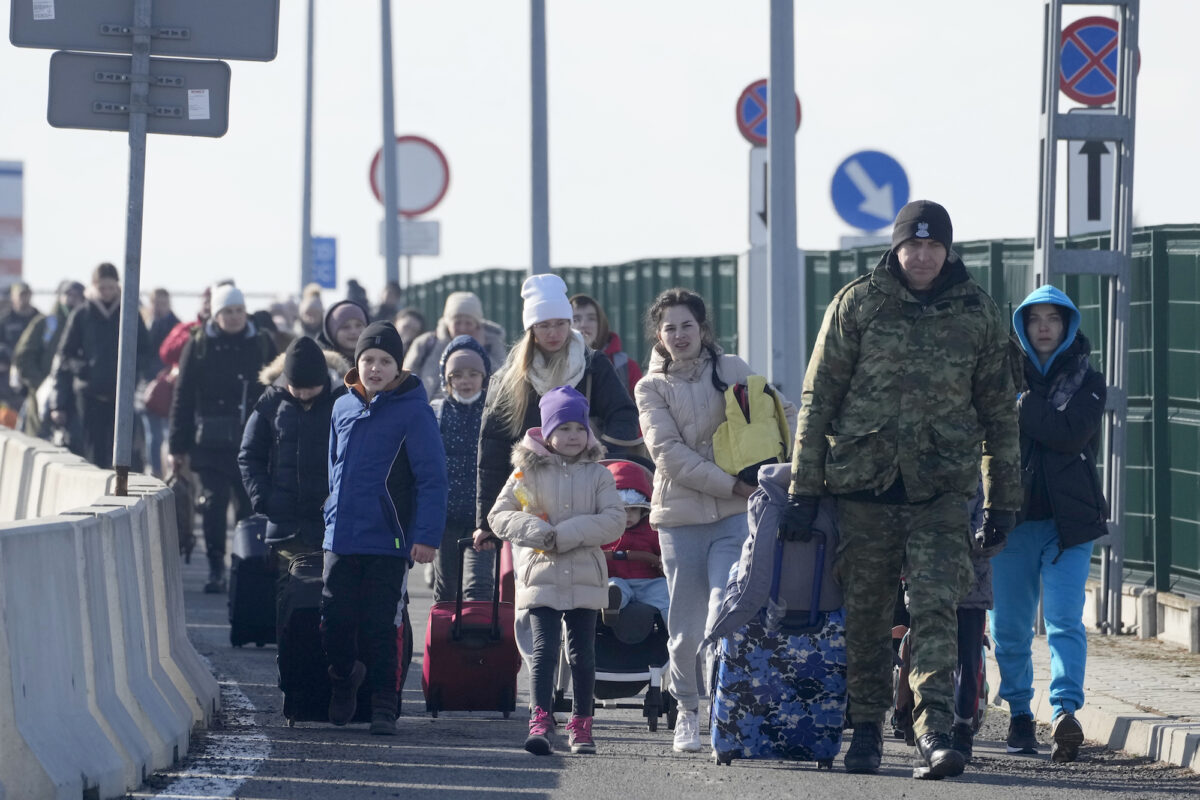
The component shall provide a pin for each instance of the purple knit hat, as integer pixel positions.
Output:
(562, 405)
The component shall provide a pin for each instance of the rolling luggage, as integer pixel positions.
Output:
(251, 585)
(471, 659)
(780, 678)
(303, 677)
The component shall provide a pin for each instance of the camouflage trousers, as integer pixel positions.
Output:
(926, 543)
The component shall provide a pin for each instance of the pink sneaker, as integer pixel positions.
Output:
(540, 740)
(579, 735)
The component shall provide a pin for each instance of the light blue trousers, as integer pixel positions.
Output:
(1029, 560)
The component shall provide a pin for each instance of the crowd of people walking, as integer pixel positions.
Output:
(360, 435)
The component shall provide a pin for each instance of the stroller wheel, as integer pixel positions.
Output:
(672, 712)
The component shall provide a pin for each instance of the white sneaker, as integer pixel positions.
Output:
(687, 732)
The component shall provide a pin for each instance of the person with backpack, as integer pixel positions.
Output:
(591, 321)
(698, 507)
(216, 391)
(1061, 408)
(466, 371)
(284, 455)
(908, 397)
(558, 507)
(34, 357)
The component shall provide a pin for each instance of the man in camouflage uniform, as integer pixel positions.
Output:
(907, 398)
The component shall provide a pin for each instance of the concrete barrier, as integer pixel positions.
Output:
(19, 451)
(53, 745)
(51, 473)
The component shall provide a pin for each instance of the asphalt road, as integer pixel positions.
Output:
(251, 753)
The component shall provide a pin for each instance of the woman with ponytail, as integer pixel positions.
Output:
(698, 508)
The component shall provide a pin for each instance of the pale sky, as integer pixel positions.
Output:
(645, 157)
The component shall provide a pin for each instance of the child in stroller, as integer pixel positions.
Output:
(631, 639)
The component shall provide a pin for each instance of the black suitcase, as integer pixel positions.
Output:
(302, 672)
(251, 585)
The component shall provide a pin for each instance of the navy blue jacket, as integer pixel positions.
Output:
(460, 424)
(387, 472)
(284, 462)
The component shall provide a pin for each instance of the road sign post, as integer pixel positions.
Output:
(868, 189)
(139, 94)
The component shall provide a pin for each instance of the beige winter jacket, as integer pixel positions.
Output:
(557, 559)
(679, 413)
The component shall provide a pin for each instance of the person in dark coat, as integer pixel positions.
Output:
(548, 356)
(214, 396)
(14, 321)
(284, 455)
(465, 371)
(34, 356)
(1064, 512)
(85, 383)
(344, 322)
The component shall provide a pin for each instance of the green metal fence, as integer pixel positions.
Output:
(1162, 522)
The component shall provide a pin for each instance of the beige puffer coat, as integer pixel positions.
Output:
(557, 559)
(679, 412)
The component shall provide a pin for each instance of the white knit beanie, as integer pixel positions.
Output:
(226, 295)
(466, 303)
(545, 298)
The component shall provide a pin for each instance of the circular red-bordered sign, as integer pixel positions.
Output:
(1088, 55)
(751, 112)
(424, 175)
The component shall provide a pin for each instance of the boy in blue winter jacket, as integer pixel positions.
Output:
(465, 372)
(386, 509)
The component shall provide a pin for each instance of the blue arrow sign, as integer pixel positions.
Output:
(868, 189)
(324, 256)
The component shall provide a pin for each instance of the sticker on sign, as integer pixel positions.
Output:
(43, 9)
(197, 103)
(422, 172)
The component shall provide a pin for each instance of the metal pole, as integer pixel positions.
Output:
(391, 183)
(306, 255)
(139, 97)
(787, 305)
(540, 189)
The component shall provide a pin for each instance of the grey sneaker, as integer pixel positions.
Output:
(1022, 736)
(1068, 738)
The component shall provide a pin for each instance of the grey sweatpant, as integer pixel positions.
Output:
(696, 560)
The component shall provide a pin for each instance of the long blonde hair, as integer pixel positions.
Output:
(508, 396)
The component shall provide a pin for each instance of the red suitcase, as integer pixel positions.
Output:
(471, 659)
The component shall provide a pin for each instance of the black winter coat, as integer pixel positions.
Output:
(284, 462)
(217, 389)
(1058, 448)
(87, 355)
(610, 405)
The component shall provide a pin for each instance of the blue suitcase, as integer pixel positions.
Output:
(780, 684)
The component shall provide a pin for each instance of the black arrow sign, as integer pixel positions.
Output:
(763, 214)
(1094, 150)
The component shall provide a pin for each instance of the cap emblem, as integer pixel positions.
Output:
(922, 230)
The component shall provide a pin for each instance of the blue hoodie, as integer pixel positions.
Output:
(387, 472)
(1046, 294)
(460, 423)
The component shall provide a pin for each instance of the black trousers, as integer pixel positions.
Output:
(361, 595)
(97, 420)
(547, 626)
(220, 481)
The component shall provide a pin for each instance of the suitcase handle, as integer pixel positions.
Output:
(814, 606)
(456, 629)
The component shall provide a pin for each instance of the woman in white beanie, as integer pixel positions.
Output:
(461, 316)
(549, 355)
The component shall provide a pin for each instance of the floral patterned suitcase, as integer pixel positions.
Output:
(780, 683)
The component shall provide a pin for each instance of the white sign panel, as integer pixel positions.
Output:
(758, 196)
(418, 237)
(12, 211)
(1090, 168)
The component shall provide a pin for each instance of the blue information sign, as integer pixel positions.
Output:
(324, 260)
(868, 189)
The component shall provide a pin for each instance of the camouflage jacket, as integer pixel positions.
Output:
(897, 387)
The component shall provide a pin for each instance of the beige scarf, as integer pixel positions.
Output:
(568, 372)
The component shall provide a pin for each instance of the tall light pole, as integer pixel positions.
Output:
(391, 185)
(306, 255)
(540, 170)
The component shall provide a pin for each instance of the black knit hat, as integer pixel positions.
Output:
(923, 219)
(380, 336)
(304, 364)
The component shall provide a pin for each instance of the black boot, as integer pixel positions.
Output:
(866, 748)
(936, 758)
(216, 579)
(962, 740)
(343, 699)
(383, 714)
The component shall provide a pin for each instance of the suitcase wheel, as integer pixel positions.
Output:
(825, 763)
(672, 712)
(722, 758)
(260, 644)
(291, 722)
(652, 708)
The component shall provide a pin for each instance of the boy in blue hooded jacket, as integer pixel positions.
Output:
(1060, 410)
(386, 509)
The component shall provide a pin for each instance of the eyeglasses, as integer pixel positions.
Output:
(551, 325)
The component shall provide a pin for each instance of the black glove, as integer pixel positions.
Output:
(795, 524)
(993, 535)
